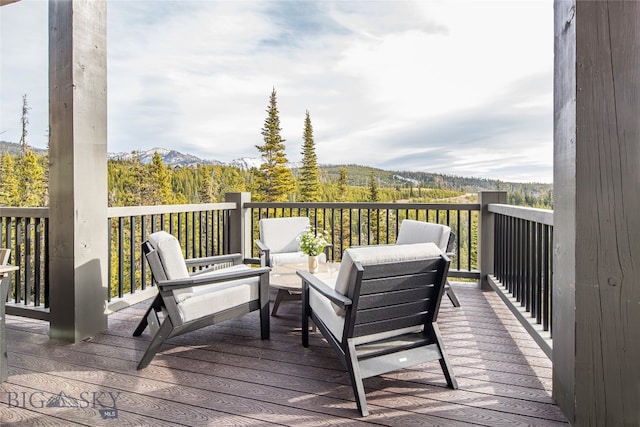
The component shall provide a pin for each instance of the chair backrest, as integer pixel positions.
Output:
(382, 261)
(451, 245)
(412, 231)
(280, 235)
(392, 287)
(167, 249)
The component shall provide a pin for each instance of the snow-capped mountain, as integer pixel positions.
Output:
(177, 159)
(246, 163)
(169, 157)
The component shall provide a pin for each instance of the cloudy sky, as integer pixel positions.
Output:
(450, 86)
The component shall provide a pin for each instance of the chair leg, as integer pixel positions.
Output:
(158, 339)
(306, 310)
(155, 306)
(356, 379)
(452, 295)
(279, 298)
(265, 326)
(444, 359)
(263, 299)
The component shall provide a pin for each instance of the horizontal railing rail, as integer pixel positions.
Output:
(523, 264)
(357, 224)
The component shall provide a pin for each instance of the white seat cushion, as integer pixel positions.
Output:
(217, 297)
(412, 231)
(378, 254)
(323, 308)
(281, 234)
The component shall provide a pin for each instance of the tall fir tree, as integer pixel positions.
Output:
(9, 185)
(310, 190)
(374, 193)
(274, 180)
(374, 214)
(31, 180)
(343, 185)
(159, 182)
(207, 183)
(231, 181)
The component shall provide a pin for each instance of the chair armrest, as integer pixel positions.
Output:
(326, 250)
(262, 247)
(212, 260)
(264, 252)
(213, 277)
(323, 289)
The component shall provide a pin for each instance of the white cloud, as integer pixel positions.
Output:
(387, 83)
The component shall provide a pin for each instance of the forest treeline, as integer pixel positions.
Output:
(24, 183)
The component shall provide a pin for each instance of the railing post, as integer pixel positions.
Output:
(486, 229)
(238, 240)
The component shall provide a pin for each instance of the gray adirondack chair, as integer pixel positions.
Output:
(412, 231)
(217, 289)
(380, 316)
(279, 244)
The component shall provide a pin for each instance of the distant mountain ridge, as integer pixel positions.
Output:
(169, 157)
(357, 174)
(14, 148)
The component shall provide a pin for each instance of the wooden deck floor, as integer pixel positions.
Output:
(226, 376)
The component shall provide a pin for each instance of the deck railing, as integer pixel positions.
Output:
(202, 230)
(522, 274)
(357, 224)
(25, 232)
(518, 247)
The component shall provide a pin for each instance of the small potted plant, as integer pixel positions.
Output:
(313, 245)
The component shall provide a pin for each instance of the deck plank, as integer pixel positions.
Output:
(225, 374)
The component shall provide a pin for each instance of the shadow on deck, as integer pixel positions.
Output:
(225, 375)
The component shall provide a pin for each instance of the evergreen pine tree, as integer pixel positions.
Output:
(274, 181)
(343, 185)
(309, 181)
(374, 217)
(9, 185)
(231, 181)
(207, 184)
(374, 194)
(30, 180)
(159, 181)
(137, 186)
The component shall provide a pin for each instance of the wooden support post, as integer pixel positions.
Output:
(240, 228)
(486, 234)
(78, 168)
(596, 296)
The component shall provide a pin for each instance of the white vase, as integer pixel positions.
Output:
(314, 261)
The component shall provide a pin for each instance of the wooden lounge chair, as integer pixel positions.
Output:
(217, 289)
(381, 314)
(412, 231)
(279, 244)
